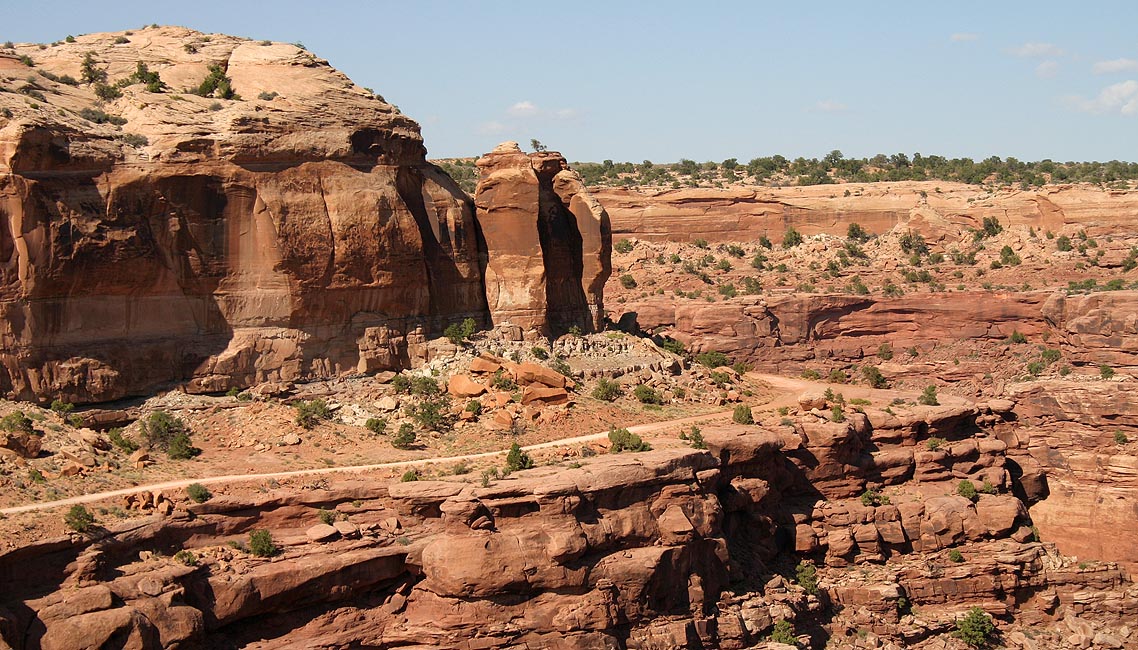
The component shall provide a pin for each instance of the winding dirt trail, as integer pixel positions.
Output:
(640, 429)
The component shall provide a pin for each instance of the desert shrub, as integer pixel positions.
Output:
(431, 414)
(404, 437)
(742, 415)
(122, 442)
(217, 85)
(17, 422)
(79, 519)
(474, 406)
(874, 498)
(856, 233)
(720, 379)
(267, 96)
(695, 438)
(1063, 243)
(376, 425)
(517, 459)
(539, 353)
(503, 382)
(458, 333)
(261, 544)
(625, 440)
(623, 246)
(1120, 438)
(673, 346)
(783, 632)
(885, 352)
(700, 243)
(326, 516)
(913, 243)
(933, 444)
(712, 359)
(425, 386)
(168, 433)
(873, 377)
(838, 376)
(806, 574)
(837, 414)
(647, 395)
(1105, 371)
(811, 374)
(409, 476)
(198, 493)
(60, 407)
(311, 413)
(966, 489)
(928, 396)
(955, 556)
(607, 390)
(976, 629)
(133, 139)
(791, 238)
(186, 557)
(627, 281)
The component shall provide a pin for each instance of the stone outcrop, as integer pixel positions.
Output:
(617, 551)
(296, 232)
(747, 213)
(550, 240)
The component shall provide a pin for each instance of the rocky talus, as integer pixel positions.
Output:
(293, 230)
(671, 548)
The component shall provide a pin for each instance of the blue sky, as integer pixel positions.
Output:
(704, 80)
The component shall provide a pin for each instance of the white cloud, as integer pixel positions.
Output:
(961, 37)
(1047, 70)
(492, 128)
(830, 106)
(524, 108)
(565, 113)
(1037, 50)
(1114, 65)
(1121, 98)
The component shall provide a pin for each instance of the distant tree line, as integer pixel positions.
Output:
(834, 167)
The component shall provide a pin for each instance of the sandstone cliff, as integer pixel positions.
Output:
(293, 232)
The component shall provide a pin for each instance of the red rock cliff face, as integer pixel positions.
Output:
(298, 232)
(550, 271)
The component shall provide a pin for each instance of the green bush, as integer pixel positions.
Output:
(934, 444)
(856, 233)
(623, 246)
(783, 632)
(261, 544)
(806, 574)
(885, 352)
(186, 557)
(474, 406)
(432, 414)
(61, 407)
(742, 415)
(216, 84)
(695, 438)
(873, 377)
(1120, 438)
(1063, 243)
(539, 353)
(405, 437)
(928, 397)
(517, 459)
(377, 426)
(647, 395)
(409, 476)
(79, 519)
(712, 359)
(837, 414)
(458, 333)
(17, 422)
(311, 413)
(625, 440)
(976, 629)
(955, 556)
(198, 493)
(326, 516)
(874, 498)
(627, 281)
(791, 238)
(425, 386)
(1105, 371)
(966, 489)
(118, 440)
(607, 390)
(168, 433)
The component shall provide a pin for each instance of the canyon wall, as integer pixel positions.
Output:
(294, 232)
(747, 213)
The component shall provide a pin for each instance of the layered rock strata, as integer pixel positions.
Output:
(294, 231)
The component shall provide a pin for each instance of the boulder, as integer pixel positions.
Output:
(463, 386)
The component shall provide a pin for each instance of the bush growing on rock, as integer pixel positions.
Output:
(118, 440)
(409, 476)
(712, 359)
(625, 440)
(607, 390)
(217, 84)
(1105, 371)
(404, 437)
(647, 395)
(459, 333)
(955, 556)
(742, 415)
(928, 397)
(976, 629)
(934, 444)
(874, 498)
(168, 433)
(855, 232)
(837, 414)
(311, 413)
(627, 281)
(1120, 438)
(623, 246)
(79, 519)
(62, 408)
(783, 632)
(431, 414)
(186, 557)
(873, 377)
(791, 238)
(17, 422)
(695, 438)
(966, 489)
(198, 493)
(376, 425)
(806, 574)
(517, 459)
(261, 544)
